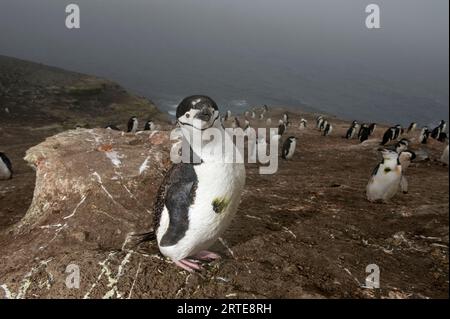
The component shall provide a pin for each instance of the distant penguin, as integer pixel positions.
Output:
(236, 123)
(112, 127)
(285, 118)
(246, 126)
(398, 132)
(351, 132)
(444, 157)
(411, 127)
(405, 158)
(247, 114)
(436, 132)
(197, 201)
(328, 129)
(319, 121)
(402, 145)
(281, 129)
(289, 148)
(132, 124)
(303, 123)
(253, 115)
(266, 108)
(424, 135)
(323, 125)
(388, 136)
(363, 127)
(6, 171)
(372, 128)
(261, 116)
(385, 180)
(269, 121)
(149, 126)
(364, 134)
(228, 115)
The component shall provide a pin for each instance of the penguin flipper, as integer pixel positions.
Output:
(176, 194)
(7, 162)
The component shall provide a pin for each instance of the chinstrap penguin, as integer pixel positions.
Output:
(385, 180)
(197, 201)
(132, 125)
(289, 148)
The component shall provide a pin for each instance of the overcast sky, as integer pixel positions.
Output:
(238, 49)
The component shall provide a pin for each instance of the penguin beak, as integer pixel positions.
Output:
(204, 114)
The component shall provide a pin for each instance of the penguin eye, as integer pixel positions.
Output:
(188, 115)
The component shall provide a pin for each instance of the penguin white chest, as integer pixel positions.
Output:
(385, 184)
(4, 170)
(291, 150)
(216, 201)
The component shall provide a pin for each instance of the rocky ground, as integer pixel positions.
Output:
(305, 232)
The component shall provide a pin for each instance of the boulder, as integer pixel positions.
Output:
(94, 190)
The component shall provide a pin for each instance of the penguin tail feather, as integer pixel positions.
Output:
(144, 237)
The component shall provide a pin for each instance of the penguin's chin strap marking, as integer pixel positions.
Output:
(200, 129)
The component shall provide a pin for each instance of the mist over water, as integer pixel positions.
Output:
(316, 54)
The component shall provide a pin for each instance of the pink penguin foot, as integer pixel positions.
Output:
(188, 265)
(206, 255)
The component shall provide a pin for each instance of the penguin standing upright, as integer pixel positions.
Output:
(149, 126)
(303, 123)
(328, 129)
(388, 136)
(351, 132)
(197, 201)
(398, 131)
(364, 134)
(236, 124)
(323, 125)
(319, 121)
(269, 121)
(436, 132)
(132, 124)
(385, 180)
(289, 148)
(372, 128)
(6, 171)
(281, 129)
(405, 158)
(424, 135)
(411, 127)
(363, 127)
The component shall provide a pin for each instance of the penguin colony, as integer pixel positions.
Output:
(197, 201)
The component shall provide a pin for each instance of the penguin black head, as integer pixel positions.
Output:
(197, 111)
(407, 156)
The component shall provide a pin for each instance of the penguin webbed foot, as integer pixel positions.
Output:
(188, 265)
(206, 255)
